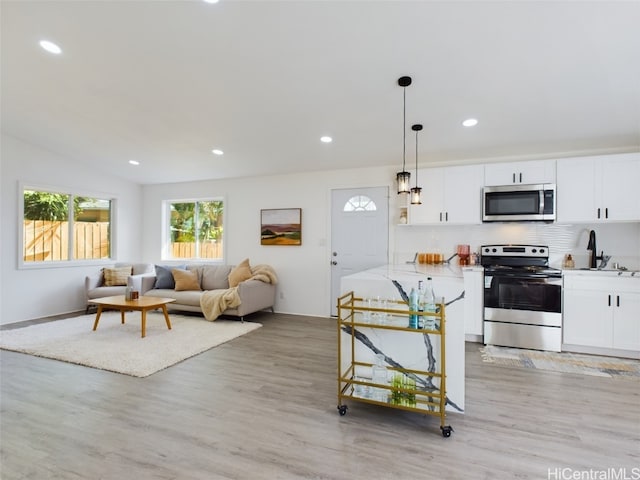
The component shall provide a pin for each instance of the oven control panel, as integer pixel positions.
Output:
(533, 251)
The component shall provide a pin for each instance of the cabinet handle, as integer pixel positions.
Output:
(598, 212)
(609, 299)
(440, 216)
(446, 216)
(617, 300)
(514, 177)
(606, 212)
(520, 177)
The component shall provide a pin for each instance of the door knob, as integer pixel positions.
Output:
(334, 263)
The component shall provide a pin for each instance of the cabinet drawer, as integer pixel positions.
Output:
(602, 282)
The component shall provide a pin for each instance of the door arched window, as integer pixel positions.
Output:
(359, 203)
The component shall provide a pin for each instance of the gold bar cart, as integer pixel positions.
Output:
(416, 390)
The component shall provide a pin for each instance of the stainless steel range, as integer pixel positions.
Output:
(522, 297)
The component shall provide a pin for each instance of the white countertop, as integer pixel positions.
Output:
(418, 269)
(602, 273)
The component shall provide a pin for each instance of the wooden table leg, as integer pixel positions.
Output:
(98, 313)
(144, 322)
(122, 316)
(166, 316)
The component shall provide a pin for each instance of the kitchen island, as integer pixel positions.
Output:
(449, 284)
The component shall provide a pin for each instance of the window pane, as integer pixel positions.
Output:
(59, 227)
(210, 229)
(45, 226)
(91, 228)
(182, 230)
(359, 203)
(196, 229)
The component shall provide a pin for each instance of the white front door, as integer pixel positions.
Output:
(359, 233)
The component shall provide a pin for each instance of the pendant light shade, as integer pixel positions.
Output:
(404, 177)
(416, 191)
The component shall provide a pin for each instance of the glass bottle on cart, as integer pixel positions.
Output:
(428, 305)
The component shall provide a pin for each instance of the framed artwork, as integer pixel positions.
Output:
(281, 226)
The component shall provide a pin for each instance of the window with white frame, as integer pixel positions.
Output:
(360, 203)
(195, 229)
(64, 226)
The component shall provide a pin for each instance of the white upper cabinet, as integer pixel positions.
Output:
(514, 173)
(450, 195)
(601, 188)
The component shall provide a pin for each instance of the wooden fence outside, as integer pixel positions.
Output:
(188, 250)
(46, 241)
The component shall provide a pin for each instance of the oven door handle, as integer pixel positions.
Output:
(548, 279)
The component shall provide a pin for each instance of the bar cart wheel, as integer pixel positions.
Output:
(342, 409)
(446, 431)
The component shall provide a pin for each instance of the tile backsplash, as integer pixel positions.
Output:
(619, 240)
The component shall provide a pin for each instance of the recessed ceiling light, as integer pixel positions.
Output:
(50, 47)
(216, 151)
(326, 139)
(470, 122)
(211, 1)
(134, 162)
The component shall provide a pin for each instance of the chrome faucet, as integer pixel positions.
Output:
(594, 251)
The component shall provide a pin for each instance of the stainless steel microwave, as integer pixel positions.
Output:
(519, 203)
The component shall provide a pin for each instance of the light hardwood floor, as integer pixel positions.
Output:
(264, 407)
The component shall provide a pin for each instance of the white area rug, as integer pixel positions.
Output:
(120, 348)
(562, 362)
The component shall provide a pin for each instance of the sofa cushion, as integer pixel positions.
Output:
(215, 277)
(142, 268)
(185, 280)
(240, 273)
(187, 297)
(164, 278)
(106, 291)
(116, 276)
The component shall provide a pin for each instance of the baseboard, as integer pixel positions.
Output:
(36, 321)
(608, 352)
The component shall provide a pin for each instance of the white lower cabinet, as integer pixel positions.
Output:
(626, 322)
(601, 311)
(473, 303)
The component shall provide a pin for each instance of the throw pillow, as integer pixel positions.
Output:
(116, 276)
(240, 273)
(185, 280)
(164, 278)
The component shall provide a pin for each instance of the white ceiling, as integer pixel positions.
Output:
(164, 82)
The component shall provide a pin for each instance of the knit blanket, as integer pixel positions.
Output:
(264, 273)
(214, 302)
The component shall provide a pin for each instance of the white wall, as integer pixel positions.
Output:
(303, 271)
(32, 293)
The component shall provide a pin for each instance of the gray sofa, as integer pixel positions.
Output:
(255, 295)
(94, 285)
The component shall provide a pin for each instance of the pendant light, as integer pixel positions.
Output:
(403, 177)
(416, 191)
